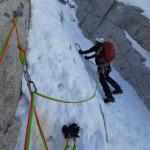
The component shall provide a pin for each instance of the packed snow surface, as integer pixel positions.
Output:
(143, 4)
(59, 71)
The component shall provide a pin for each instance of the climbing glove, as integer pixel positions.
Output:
(81, 52)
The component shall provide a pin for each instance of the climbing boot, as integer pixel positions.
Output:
(109, 99)
(117, 91)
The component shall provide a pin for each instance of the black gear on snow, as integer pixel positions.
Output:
(74, 130)
(71, 131)
(65, 131)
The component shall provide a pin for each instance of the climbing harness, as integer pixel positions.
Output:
(104, 68)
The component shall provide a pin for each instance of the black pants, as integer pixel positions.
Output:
(104, 78)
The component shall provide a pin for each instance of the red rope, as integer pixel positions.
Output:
(27, 129)
(40, 128)
(21, 49)
(17, 32)
(6, 45)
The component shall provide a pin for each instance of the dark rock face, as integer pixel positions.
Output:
(109, 18)
(92, 13)
(10, 72)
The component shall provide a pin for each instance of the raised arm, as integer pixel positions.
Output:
(90, 57)
(93, 49)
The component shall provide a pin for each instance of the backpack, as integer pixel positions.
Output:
(109, 52)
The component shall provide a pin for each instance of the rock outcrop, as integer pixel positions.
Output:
(11, 72)
(109, 18)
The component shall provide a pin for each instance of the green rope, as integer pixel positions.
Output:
(6, 39)
(40, 131)
(69, 102)
(22, 57)
(43, 141)
(31, 121)
(74, 146)
(67, 146)
(4, 43)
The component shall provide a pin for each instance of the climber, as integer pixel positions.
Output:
(104, 53)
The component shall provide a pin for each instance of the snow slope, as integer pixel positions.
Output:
(59, 71)
(143, 4)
